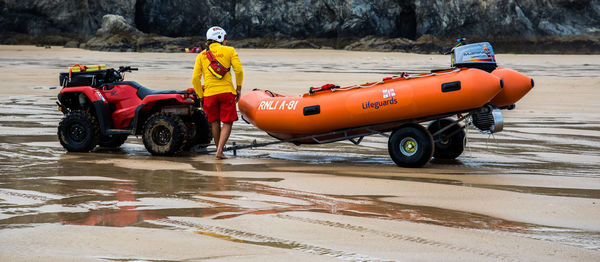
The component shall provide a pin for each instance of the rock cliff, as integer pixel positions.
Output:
(118, 35)
(335, 20)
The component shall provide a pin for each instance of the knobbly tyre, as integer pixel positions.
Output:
(100, 108)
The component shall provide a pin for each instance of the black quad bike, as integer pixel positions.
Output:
(101, 109)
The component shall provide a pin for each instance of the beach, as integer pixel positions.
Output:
(530, 192)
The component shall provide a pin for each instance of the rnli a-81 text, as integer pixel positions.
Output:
(278, 105)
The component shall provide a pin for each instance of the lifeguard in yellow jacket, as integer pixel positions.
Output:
(218, 93)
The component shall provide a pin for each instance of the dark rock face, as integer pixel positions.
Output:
(75, 17)
(336, 20)
(117, 35)
(183, 17)
(528, 18)
(313, 18)
(310, 18)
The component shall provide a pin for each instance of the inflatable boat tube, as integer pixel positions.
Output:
(417, 98)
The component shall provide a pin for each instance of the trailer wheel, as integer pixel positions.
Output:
(411, 146)
(112, 141)
(78, 131)
(164, 134)
(447, 147)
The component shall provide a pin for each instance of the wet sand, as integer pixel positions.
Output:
(531, 192)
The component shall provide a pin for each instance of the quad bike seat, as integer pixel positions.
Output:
(144, 91)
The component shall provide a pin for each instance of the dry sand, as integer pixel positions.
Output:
(530, 193)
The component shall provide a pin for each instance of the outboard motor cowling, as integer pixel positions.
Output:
(478, 55)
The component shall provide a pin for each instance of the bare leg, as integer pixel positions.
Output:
(225, 132)
(216, 131)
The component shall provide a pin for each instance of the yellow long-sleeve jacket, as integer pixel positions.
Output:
(228, 57)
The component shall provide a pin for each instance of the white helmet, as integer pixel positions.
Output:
(216, 33)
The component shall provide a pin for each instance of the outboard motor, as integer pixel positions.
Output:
(489, 120)
(478, 55)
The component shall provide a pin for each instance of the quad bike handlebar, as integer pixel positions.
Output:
(127, 69)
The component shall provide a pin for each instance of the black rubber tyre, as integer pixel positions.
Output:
(164, 134)
(78, 131)
(202, 133)
(112, 141)
(410, 146)
(447, 147)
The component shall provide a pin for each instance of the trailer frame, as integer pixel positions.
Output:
(370, 130)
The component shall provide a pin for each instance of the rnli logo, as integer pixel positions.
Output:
(389, 98)
(388, 93)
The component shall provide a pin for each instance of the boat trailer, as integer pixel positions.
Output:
(356, 134)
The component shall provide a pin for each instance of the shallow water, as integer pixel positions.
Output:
(41, 183)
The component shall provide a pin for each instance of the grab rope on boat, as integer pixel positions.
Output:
(403, 75)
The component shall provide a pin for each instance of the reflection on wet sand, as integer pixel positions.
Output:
(117, 199)
(124, 215)
(103, 194)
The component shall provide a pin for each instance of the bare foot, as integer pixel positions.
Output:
(221, 156)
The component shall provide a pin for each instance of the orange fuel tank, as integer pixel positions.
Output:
(393, 99)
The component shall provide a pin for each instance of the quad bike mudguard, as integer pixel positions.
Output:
(128, 116)
(149, 102)
(133, 100)
(101, 107)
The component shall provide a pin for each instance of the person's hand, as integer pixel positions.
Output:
(238, 90)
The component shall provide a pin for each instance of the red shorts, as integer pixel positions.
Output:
(220, 107)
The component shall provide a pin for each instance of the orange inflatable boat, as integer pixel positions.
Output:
(332, 113)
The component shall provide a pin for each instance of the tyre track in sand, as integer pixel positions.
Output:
(245, 237)
(401, 237)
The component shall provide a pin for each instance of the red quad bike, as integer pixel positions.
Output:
(101, 109)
